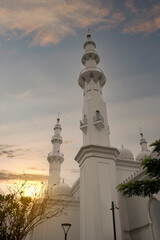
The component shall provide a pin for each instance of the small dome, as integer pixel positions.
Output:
(62, 189)
(141, 155)
(125, 154)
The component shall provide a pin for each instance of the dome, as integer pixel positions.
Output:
(62, 189)
(142, 154)
(125, 154)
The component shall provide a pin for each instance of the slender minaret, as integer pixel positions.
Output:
(144, 149)
(143, 142)
(55, 158)
(97, 159)
(94, 123)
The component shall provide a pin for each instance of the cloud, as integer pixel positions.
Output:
(37, 169)
(130, 5)
(47, 22)
(146, 20)
(7, 176)
(50, 21)
(5, 150)
(134, 17)
(9, 151)
(5, 146)
(113, 21)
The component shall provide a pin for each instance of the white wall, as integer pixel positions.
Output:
(134, 212)
(125, 168)
(52, 229)
(139, 220)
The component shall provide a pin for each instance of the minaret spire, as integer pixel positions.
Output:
(55, 158)
(143, 142)
(94, 123)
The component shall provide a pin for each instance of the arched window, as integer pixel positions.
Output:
(98, 114)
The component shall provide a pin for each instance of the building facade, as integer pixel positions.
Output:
(102, 168)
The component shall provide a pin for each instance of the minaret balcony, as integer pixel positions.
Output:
(90, 54)
(98, 121)
(55, 156)
(91, 72)
(57, 138)
(83, 125)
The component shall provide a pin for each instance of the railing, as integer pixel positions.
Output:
(55, 154)
(98, 117)
(57, 136)
(90, 51)
(94, 68)
(83, 122)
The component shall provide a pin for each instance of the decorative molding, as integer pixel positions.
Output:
(127, 163)
(88, 151)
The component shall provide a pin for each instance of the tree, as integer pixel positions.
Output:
(150, 185)
(20, 214)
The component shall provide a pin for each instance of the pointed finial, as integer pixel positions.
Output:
(141, 134)
(122, 146)
(88, 34)
(58, 119)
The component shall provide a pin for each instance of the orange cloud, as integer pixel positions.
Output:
(130, 5)
(113, 21)
(147, 20)
(48, 21)
(6, 176)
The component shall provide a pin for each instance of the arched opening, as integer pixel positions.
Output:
(97, 115)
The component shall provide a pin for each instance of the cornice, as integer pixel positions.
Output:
(127, 163)
(137, 175)
(96, 151)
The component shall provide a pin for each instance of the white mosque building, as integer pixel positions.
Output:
(102, 168)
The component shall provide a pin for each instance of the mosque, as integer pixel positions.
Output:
(102, 168)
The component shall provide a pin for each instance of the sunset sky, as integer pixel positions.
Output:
(41, 44)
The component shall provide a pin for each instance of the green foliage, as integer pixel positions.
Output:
(142, 188)
(149, 186)
(13, 212)
(151, 167)
(156, 144)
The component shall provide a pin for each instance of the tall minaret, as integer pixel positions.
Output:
(97, 159)
(94, 123)
(55, 158)
(144, 149)
(143, 142)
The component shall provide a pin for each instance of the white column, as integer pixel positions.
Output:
(97, 191)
